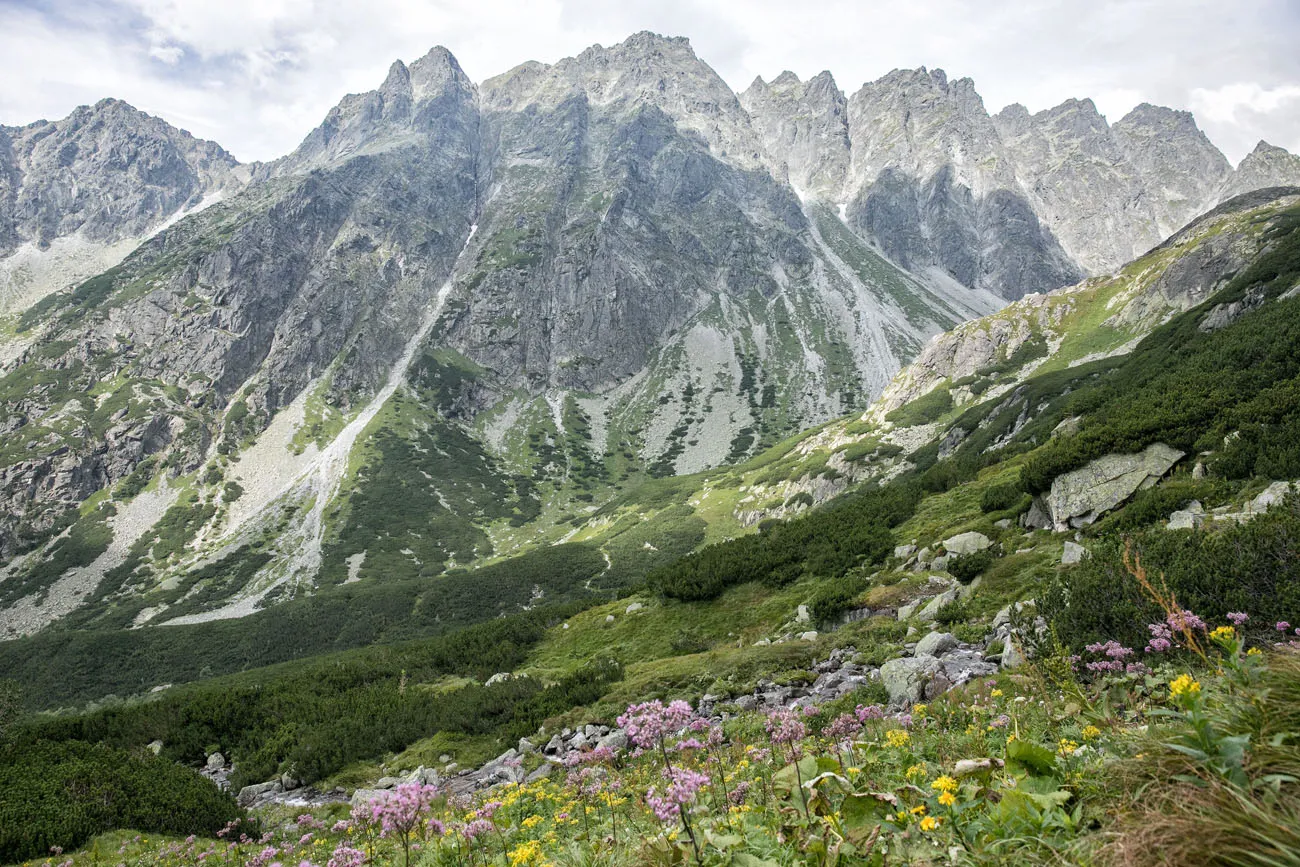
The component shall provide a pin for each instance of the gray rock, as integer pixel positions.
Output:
(216, 762)
(633, 608)
(810, 635)
(526, 746)
(1080, 497)
(155, 747)
(967, 543)
(1274, 494)
(906, 679)
(499, 677)
(1072, 553)
(801, 614)
(249, 794)
(907, 610)
(361, 797)
(555, 746)
(615, 740)
(542, 772)
(931, 609)
(936, 644)
(288, 782)
(1184, 519)
(902, 552)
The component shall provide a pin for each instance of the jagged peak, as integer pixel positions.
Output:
(1264, 149)
(1147, 114)
(786, 79)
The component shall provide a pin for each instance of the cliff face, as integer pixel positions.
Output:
(490, 303)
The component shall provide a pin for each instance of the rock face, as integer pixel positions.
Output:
(612, 255)
(966, 543)
(1080, 497)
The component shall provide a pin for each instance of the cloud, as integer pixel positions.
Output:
(257, 75)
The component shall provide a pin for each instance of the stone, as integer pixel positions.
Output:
(810, 635)
(762, 642)
(944, 599)
(542, 772)
(1274, 494)
(216, 762)
(1080, 497)
(633, 608)
(1198, 471)
(906, 611)
(499, 677)
(1184, 519)
(746, 702)
(609, 618)
(444, 758)
(940, 563)
(967, 543)
(1072, 553)
(1011, 655)
(801, 615)
(388, 782)
(1003, 524)
(526, 746)
(289, 782)
(361, 797)
(936, 644)
(971, 767)
(1037, 518)
(905, 679)
(555, 746)
(155, 747)
(902, 552)
(615, 740)
(250, 794)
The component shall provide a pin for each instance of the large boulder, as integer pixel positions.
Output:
(1072, 553)
(1080, 497)
(936, 644)
(906, 679)
(966, 543)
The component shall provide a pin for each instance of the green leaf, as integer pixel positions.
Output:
(1032, 757)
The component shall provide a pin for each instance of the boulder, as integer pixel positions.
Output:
(931, 609)
(810, 635)
(499, 677)
(902, 552)
(1072, 554)
(801, 614)
(615, 740)
(1037, 518)
(633, 608)
(906, 679)
(1272, 495)
(361, 797)
(249, 794)
(966, 543)
(542, 772)
(1080, 497)
(216, 762)
(526, 746)
(936, 644)
(155, 747)
(289, 782)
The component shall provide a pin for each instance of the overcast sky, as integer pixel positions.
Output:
(257, 75)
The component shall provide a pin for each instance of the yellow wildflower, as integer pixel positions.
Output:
(918, 710)
(915, 771)
(944, 784)
(997, 693)
(1012, 737)
(1090, 732)
(918, 810)
(929, 823)
(1184, 685)
(526, 853)
(1254, 651)
(1066, 747)
(853, 771)
(897, 738)
(1223, 633)
(947, 799)
(532, 821)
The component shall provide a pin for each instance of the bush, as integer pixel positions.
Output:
(834, 598)
(62, 794)
(966, 568)
(1000, 497)
(1253, 568)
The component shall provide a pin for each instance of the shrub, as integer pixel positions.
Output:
(62, 794)
(835, 598)
(966, 568)
(1000, 497)
(1253, 567)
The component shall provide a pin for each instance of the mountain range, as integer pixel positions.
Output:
(460, 320)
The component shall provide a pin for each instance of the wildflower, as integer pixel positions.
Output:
(1066, 747)
(869, 712)
(346, 856)
(915, 771)
(810, 710)
(785, 727)
(997, 693)
(918, 810)
(1090, 732)
(682, 786)
(740, 792)
(947, 799)
(918, 710)
(843, 727)
(1238, 617)
(1254, 651)
(1184, 685)
(648, 723)
(944, 784)
(930, 823)
(476, 829)
(526, 853)
(1283, 626)
(1223, 634)
(897, 738)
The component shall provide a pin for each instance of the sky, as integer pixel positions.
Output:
(257, 75)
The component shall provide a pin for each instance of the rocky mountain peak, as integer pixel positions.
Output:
(1265, 166)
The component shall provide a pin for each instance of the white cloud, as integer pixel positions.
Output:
(257, 75)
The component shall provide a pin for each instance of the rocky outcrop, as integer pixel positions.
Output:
(1080, 497)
